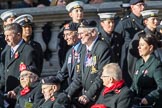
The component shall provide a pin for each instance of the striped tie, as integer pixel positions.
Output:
(12, 52)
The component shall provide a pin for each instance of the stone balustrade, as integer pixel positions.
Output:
(55, 16)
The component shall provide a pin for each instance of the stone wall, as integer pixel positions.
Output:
(55, 16)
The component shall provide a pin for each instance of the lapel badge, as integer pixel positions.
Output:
(145, 72)
(117, 91)
(136, 72)
(78, 59)
(94, 70)
(69, 59)
(76, 55)
(16, 55)
(53, 98)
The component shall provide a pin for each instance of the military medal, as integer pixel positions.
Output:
(136, 72)
(145, 72)
(94, 70)
(78, 59)
(94, 61)
(69, 59)
(76, 55)
(77, 68)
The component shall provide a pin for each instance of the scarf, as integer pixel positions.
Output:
(114, 87)
(24, 91)
(99, 106)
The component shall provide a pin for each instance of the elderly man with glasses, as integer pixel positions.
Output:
(96, 54)
(51, 92)
(115, 93)
(29, 91)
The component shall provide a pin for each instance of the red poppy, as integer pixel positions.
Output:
(117, 91)
(16, 55)
(52, 99)
(22, 67)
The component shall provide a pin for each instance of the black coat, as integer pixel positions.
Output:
(35, 95)
(123, 99)
(133, 54)
(115, 41)
(10, 74)
(127, 28)
(59, 100)
(89, 76)
(147, 81)
(2, 43)
(1, 100)
(69, 68)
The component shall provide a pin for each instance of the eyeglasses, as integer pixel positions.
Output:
(25, 75)
(67, 34)
(104, 76)
(140, 4)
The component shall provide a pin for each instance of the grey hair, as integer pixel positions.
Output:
(92, 28)
(113, 70)
(16, 28)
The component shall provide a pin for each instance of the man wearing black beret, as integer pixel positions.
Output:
(76, 13)
(96, 54)
(29, 91)
(69, 68)
(50, 90)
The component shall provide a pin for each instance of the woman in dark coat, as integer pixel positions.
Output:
(147, 81)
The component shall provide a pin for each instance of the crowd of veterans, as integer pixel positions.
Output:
(104, 64)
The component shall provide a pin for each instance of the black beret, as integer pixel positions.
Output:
(30, 68)
(89, 24)
(71, 26)
(50, 80)
(125, 4)
(133, 2)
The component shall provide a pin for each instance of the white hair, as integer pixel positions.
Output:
(113, 70)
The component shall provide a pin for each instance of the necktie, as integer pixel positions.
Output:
(87, 58)
(88, 54)
(12, 52)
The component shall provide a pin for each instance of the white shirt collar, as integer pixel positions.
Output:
(16, 47)
(89, 48)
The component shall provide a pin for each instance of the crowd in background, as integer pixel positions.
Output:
(42, 3)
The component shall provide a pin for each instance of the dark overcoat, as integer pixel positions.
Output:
(147, 81)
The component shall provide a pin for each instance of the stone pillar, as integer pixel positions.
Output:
(38, 34)
(53, 46)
